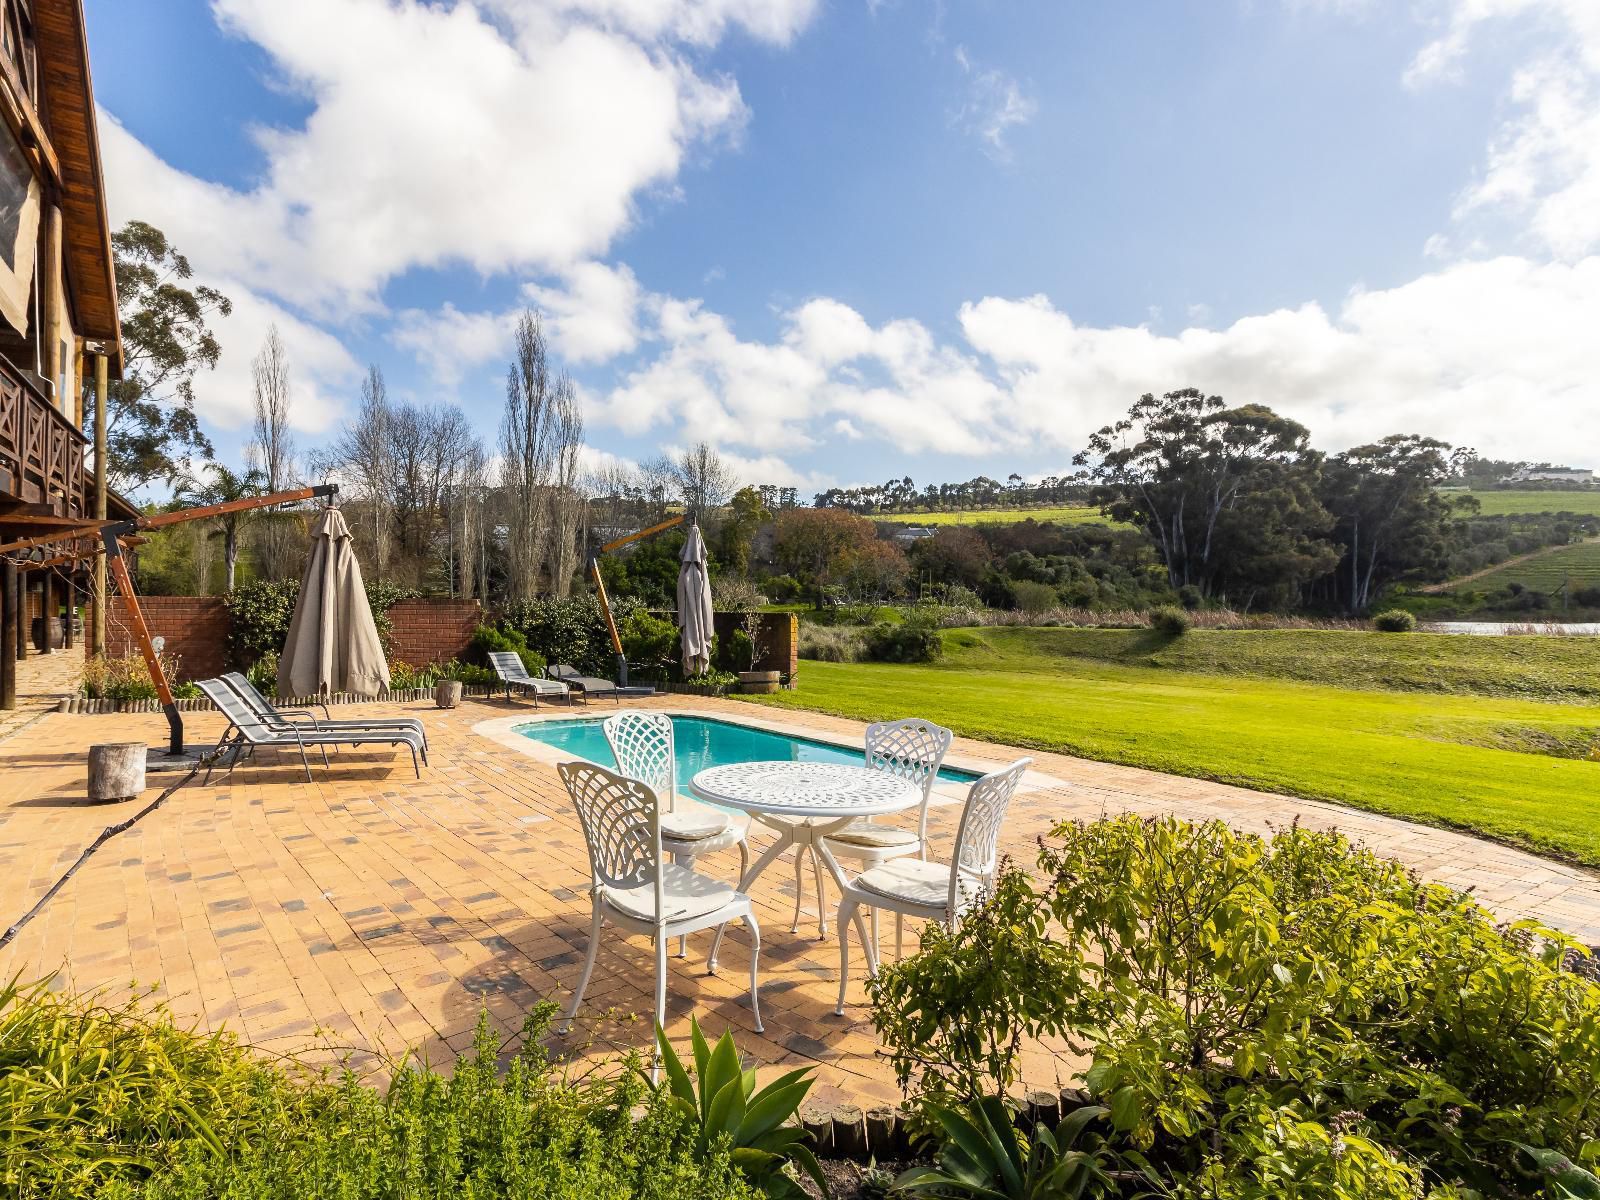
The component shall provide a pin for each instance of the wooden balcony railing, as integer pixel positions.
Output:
(41, 452)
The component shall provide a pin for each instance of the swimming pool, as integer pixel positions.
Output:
(701, 742)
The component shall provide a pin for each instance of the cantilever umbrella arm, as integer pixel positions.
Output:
(600, 588)
(111, 535)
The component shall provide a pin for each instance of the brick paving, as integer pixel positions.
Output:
(369, 913)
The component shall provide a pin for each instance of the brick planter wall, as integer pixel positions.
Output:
(430, 631)
(196, 629)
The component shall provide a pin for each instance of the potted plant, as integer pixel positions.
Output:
(752, 680)
(447, 691)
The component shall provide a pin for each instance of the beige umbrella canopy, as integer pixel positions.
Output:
(333, 643)
(694, 604)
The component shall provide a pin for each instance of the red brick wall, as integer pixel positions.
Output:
(196, 629)
(430, 631)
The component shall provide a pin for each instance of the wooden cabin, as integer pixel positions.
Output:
(60, 340)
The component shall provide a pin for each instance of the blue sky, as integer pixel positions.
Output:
(847, 240)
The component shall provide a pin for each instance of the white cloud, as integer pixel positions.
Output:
(593, 317)
(451, 342)
(994, 103)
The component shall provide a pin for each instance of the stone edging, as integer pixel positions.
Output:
(78, 704)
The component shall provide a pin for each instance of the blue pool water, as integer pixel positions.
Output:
(700, 742)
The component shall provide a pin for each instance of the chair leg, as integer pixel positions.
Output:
(306, 763)
(588, 968)
(414, 766)
(872, 951)
(899, 936)
(799, 884)
(661, 999)
(875, 942)
(744, 858)
(822, 892)
(755, 968)
(847, 909)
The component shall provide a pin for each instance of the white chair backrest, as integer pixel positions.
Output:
(227, 700)
(911, 749)
(978, 837)
(642, 743)
(508, 664)
(621, 826)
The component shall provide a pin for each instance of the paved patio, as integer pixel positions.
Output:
(371, 913)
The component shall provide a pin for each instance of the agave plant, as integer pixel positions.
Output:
(721, 1101)
(983, 1158)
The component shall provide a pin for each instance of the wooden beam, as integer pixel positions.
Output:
(605, 606)
(643, 533)
(101, 398)
(8, 635)
(70, 534)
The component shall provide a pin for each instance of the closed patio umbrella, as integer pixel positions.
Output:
(333, 643)
(694, 604)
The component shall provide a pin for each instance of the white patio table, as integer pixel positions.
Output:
(803, 803)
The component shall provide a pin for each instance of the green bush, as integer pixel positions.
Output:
(826, 643)
(571, 631)
(264, 673)
(259, 615)
(1395, 620)
(120, 1104)
(486, 640)
(649, 643)
(915, 641)
(1174, 622)
(1259, 1011)
(734, 652)
(1191, 597)
(126, 678)
(783, 589)
(1034, 597)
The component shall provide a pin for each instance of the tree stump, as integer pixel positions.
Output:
(116, 771)
(818, 1122)
(883, 1127)
(850, 1132)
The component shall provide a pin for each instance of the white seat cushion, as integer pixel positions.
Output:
(875, 837)
(916, 881)
(684, 894)
(689, 820)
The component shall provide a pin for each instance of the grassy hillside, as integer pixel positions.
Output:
(1503, 504)
(1580, 564)
(1070, 514)
(1506, 768)
(1556, 669)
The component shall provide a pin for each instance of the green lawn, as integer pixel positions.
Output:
(1505, 504)
(1578, 564)
(1450, 759)
(1065, 514)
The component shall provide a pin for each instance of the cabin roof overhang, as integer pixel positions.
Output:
(63, 48)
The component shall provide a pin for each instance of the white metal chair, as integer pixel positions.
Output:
(637, 892)
(643, 746)
(913, 750)
(914, 887)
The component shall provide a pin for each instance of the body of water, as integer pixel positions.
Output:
(700, 742)
(1502, 628)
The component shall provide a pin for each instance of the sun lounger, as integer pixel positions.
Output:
(508, 666)
(284, 717)
(251, 731)
(588, 685)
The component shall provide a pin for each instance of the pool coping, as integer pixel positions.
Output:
(503, 732)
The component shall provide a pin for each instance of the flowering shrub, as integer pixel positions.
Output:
(1269, 1017)
(126, 678)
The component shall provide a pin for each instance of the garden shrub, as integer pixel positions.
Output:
(1395, 620)
(571, 631)
(118, 1103)
(735, 651)
(649, 643)
(1191, 597)
(913, 641)
(1034, 597)
(1174, 622)
(486, 640)
(259, 615)
(126, 678)
(783, 589)
(824, 643)
(1283, 1017)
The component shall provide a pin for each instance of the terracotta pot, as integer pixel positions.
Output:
(759, 682)
(447, 693)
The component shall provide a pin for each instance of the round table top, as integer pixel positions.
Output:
(804, 789)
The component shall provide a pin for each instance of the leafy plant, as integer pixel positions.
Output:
(722, 1106)
(571, 631)
(983, 1158)
(264, 673)
(912, 641)
(1172, 621)
(1395, 620)
(259, 615)
(649, 642)
(118, 1103)
(1266, 1012)
(486, 640)
(126, 678)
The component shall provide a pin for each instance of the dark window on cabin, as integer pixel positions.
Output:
(15, 177)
